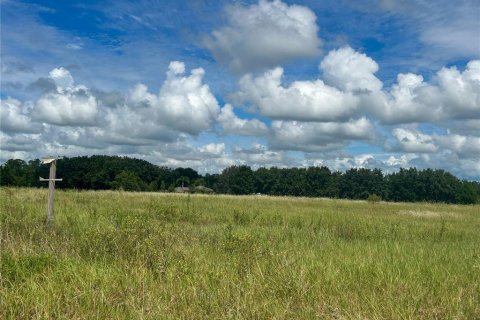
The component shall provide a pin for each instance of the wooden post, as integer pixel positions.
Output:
(51, 185)
(51, 190)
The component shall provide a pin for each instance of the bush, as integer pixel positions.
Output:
(373, 198)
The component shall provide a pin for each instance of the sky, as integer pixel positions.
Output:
(210, 84)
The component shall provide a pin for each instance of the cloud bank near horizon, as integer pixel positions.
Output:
(342, 114)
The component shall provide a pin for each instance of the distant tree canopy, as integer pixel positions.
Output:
(111, 172)
(127, 181)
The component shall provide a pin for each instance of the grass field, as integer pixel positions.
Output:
(117, 255)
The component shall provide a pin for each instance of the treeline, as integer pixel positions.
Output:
(111, 172)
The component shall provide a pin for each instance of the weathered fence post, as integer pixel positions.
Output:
(51, 185)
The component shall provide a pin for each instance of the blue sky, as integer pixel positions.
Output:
(208, 84)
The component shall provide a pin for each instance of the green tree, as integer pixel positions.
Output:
(183, 181)
(127, 181)
(403, 185)
(237, 180)
(199, 182)
(318, 179)
(466, 193)
(360, 183)
(15, 173)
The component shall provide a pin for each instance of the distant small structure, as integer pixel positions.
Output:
(182, 189)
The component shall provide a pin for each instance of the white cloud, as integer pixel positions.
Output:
(357, 161)
(463, 146)
(356, 91)
(413, 141)
(319, 136)
(211, 157)
(461, 91)
(139, 96)
(19, 142)
(309, 116)
(185, 103)
(349, 70)
(456, 153)
(409, 100)
(258, 155)
(70, 105)
(402, 161)
(264, 35)
(13, 117)
(6, 155)
(457, 96)
(131, 126)
(62, 78)
(301, 100)
(72, 108)
(213, 148)
(85, 137)
(232, 124)
(74, 117)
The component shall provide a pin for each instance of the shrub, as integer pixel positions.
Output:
(373, 198)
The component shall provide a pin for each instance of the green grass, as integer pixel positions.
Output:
(116, 255)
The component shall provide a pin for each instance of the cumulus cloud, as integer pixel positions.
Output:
(351, 89)
(451, 94)
(77, 117)
(319, 136)
(264, 35)
(85, 137)
(463, 146)
(258, 155)
(402, 161)
(388, 163)
(342, 162)
(215, 149)
(211, 157)
(62, 78)
(301, 100)
(69, 105)
(6, 155)
(14, 117)
(411, 99)
(461, 91)
(414, 141)
(185, 103)
(350, 70)
(321, 116)
(232, 124)
(18, 142)
(73, 108)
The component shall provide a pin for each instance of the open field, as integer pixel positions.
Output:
(117, 255)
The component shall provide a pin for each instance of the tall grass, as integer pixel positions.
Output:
(118, 255)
